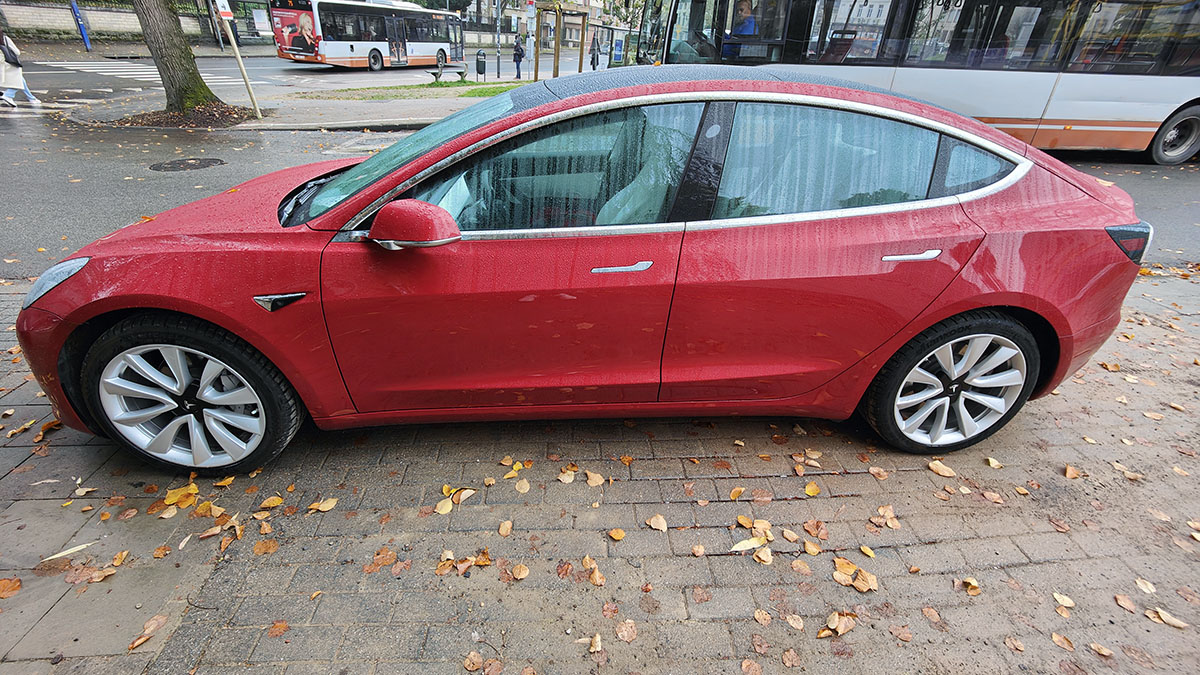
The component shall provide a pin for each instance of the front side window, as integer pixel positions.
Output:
(613, 168)
(794, 159)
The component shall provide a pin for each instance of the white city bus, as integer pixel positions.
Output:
(365, 34)
(1121, 74)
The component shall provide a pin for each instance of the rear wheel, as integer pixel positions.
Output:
(441, 59)
(187, 395)
(1179, 138)
(955, 384)
(375, 60)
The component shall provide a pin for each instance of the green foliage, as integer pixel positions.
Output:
(491, 90)
(625, 12)
(452, 5)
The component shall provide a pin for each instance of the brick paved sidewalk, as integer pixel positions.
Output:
(1088, 539)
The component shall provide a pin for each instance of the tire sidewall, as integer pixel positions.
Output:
(374, 61)
(882, 394)
(229, 350)
(441, 58)
(1156, 152)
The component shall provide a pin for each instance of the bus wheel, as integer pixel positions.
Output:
(441, 59)
(1179, 137)
(375, 60)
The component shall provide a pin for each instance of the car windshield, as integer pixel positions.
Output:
(402, 152)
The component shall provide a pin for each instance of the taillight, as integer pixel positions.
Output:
(1134, 240)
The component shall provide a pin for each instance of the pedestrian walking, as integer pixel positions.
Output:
(594, 50)
(518, 54)
(11, 77)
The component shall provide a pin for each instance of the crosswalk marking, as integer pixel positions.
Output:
(25, 110)
(140, 72)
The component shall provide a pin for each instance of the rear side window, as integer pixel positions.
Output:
(785, 158)
(962, 167)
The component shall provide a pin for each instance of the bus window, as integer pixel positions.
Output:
(1126, 37)
(845, 31)
(654, 19)
(1185, 50)
(693, 34)
(1006, 35)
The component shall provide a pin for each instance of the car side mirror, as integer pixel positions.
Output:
(412, 223)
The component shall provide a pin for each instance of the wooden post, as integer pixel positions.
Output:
(537, 42)
(558, 23)
(582, 39)
(237, 54)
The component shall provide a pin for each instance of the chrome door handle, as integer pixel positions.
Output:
(636, 267)
(929, 254)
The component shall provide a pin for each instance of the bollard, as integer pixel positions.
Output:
(481, 64)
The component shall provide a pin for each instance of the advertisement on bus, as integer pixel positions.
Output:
(295, 30)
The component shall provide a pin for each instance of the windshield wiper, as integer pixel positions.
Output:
(300, 198)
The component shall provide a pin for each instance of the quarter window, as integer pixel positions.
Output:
(794, 159)
(962, 167)
(614, 168)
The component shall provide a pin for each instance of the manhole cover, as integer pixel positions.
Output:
(187, 164)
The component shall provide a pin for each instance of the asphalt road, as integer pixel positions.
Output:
(64, 186)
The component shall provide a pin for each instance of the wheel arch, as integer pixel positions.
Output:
(1162, 124)
(1042, 328)
(81, 338)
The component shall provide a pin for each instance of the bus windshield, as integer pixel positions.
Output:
(404, 151)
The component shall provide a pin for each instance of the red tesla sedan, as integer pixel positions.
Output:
(677, 240)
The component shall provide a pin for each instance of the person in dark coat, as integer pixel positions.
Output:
(518, 54)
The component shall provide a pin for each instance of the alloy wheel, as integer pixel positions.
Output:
(181, 405)
(960, 389)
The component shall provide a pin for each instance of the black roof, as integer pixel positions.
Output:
(568, 86)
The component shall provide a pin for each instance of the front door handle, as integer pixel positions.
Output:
(636, 267)
(929, 254)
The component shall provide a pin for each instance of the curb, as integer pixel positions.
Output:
(409, 124)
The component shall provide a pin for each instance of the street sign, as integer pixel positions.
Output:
(224, 11)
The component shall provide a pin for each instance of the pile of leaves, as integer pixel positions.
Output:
(215, 115)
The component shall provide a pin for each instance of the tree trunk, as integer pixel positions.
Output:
(174, 59)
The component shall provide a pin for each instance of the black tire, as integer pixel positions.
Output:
(280, 405)
(881, 400)
(1178, 140)
(441, 59)
(374, 61)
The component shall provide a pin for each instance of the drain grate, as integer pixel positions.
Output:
(187, 164)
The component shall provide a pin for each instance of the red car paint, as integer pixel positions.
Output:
(751, 320)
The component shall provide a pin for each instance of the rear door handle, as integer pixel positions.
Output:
(929, 254)
(636, 267)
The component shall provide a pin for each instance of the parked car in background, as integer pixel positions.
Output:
(679, 240)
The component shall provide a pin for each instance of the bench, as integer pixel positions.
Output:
(461, 71)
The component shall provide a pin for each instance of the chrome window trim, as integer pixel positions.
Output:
(590, 231)
(1021, 162)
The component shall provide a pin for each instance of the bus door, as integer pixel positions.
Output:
(456, 41)
(395, 37)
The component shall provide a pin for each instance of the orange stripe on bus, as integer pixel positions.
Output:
(1086, 139)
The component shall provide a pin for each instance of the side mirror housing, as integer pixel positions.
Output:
(412, 223)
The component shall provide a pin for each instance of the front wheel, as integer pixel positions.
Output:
(1179, 137)
(187, 395)
(374, 61)
(955, 384)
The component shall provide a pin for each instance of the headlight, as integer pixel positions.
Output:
(53, 277)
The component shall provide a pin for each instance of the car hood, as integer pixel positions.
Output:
(247, 209)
